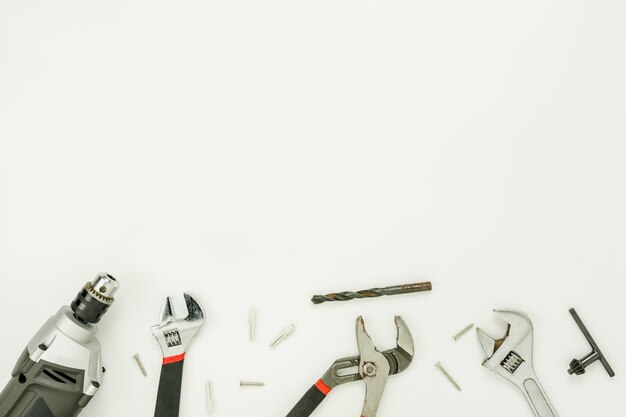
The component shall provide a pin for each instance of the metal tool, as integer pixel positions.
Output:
(61, 369)
(174, 336)
(287, 331)
(445, 373)
(512, 358)
(374, 367)
(210, 403)
(373, 292)
(243, 384)
(577, 366)
(463, 331)
(140, 364)
(252, 324)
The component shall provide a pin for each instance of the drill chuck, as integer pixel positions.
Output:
(95, 298)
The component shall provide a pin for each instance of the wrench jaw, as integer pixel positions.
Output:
(167, 312)
(194, 311)
(174, 335)
(488, 344)
(511, 356)
(520, 325)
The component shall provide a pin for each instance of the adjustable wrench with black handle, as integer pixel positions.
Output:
(174, 336)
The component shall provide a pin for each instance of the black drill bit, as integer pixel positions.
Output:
(373, 292)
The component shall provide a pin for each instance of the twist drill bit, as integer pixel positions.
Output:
(373, 292)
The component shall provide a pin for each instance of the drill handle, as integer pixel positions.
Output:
(43, 389)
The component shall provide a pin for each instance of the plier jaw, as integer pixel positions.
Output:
(372, 367)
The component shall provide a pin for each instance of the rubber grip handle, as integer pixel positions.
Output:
(168, 396)
(308, 403)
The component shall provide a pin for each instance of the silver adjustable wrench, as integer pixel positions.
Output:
(374, 368)
(512, 358)
(174, 336)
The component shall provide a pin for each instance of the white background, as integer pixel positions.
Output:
(256, 152)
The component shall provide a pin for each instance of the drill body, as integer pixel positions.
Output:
(60, 369)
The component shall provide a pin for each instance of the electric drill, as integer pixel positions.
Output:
(61, 368)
